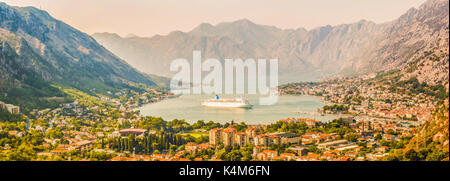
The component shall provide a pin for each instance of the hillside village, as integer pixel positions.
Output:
(100, 128)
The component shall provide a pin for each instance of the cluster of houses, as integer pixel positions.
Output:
(150, 96)
(332, 145)
(298, 154)
(10, 108)
(369, 127)
(370, 100)
(309, 122)
(230, 137)
(74, 144)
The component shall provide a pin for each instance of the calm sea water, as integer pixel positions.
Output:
(188, 107)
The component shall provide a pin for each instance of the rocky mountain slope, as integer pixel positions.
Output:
(416, 43)
(37, 50)
(305, 55)
(433, 135)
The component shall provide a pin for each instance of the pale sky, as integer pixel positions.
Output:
(151, 17)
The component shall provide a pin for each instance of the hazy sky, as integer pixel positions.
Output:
(150, 17)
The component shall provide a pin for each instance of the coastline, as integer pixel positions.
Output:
(187, 109)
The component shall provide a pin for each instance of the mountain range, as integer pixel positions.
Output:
(38, 51)
(415, 43)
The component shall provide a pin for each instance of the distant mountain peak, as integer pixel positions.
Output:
(176, 33)
(349, 49)
(205, 26)
(131, 35)
(244, 21)
(107, 34)
(364, 21)
(206, 29)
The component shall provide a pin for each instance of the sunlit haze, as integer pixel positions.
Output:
(150, 17)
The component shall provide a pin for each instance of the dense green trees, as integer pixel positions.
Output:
(235, 153)
(5, 115)
(205, 154)
(351, 137)
(335, 108)
(422, 154)
(291, 127)
(412, 86)
(147, 144)
(200, 124)
(335, 126)
(280, 148)
(314, 149)
(176, 125)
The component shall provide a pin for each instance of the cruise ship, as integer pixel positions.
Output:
(227, 103)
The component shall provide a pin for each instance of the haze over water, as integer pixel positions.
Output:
(188, 107)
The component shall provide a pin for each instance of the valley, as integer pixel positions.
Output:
(362, 91)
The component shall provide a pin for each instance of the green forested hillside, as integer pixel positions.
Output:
(38, 52)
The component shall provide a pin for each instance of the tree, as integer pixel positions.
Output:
(437, 155)
(412, 155)
(234, 155)
(351, 137)
(173, 149)
(378, 137)
(314, 149)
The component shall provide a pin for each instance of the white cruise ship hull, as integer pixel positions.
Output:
(226, 103)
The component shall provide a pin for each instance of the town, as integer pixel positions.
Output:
(376, 121)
